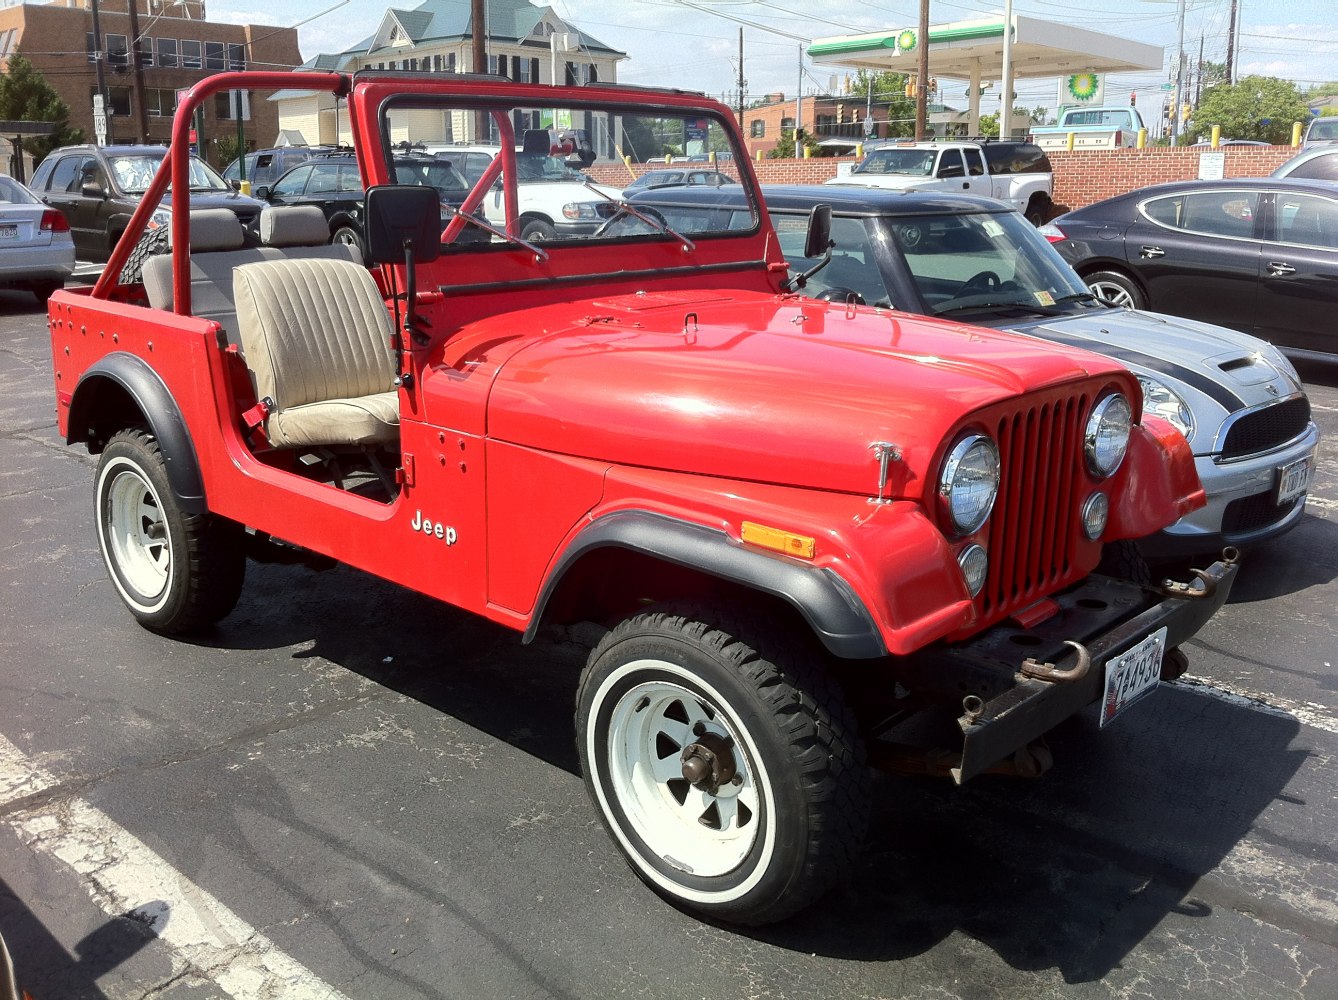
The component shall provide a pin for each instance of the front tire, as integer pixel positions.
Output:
(176, 572)
(348, 236)
(729, 773)
(1117, 288)
(537, 231)
(1038, 210)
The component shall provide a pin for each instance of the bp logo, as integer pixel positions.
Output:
(906, 41)
(1083, 86)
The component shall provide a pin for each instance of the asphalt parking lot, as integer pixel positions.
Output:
(348, 790)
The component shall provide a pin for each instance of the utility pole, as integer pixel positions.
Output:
(922, 91)
(799, 104)
(1180, 92)
(137, 86)
(742, 82)
(1233, 21)
(98, 60)
(1198, 77)
(1006, 83)
(478, 29)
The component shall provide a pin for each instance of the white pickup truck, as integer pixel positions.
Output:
(1016, 172)
(1092, 128)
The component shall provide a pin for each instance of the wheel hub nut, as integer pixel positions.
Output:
(709, 762)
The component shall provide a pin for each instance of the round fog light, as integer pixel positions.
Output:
(975, 564)
(1095, 513)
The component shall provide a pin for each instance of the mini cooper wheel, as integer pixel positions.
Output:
(174, 571)
(731, 779)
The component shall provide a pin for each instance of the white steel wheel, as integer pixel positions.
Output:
(175, 571)
(730, 779)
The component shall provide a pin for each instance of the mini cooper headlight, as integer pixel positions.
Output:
(970, 482)
(1166, 403)
(1107, 436)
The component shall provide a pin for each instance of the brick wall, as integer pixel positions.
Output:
(1081, 176)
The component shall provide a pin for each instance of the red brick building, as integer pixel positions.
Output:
(177, 46)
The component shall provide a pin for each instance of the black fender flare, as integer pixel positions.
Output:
(832, 610)
(160, 411)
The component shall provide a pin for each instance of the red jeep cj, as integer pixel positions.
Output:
(807, 526)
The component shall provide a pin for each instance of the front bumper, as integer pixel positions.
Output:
(1241, 508)
(1004, 709)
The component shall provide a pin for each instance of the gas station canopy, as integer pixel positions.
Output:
(973, 50)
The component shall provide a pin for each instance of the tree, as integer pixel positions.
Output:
(26, 96)
(888, 92)
(989, 124)
(785, 145)
(1258, 107)
(226, 149)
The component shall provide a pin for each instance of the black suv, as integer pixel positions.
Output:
(265, 166)
(98, 187)
(331, 182)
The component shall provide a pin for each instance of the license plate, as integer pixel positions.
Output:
(1293, 479)
(1132, 675)
(9, 232)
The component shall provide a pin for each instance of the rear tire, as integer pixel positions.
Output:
(348, 236)
(1117, 288)
(1038, 210)
(784, 823)
(45, 290)
(151, 243)
(176, 572)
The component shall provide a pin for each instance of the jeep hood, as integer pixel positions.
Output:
(755, 387)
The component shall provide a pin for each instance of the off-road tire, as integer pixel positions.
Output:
(795, 744)
(151, 243)
(176, 572)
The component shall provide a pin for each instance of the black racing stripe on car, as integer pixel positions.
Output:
(1215, 390)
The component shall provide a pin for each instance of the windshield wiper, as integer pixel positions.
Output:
(659, 225)
(540, 254)
(1031, 307)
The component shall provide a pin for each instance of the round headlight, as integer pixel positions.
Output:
(1107, 436)
(1165, 402)
(1095, 513)
(970, 482)
(975, 565)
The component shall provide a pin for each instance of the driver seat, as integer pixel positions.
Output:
(317, 338)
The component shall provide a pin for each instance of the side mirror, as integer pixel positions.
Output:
(401, 217)
(92, 189)
(819, 238)
(260, 191)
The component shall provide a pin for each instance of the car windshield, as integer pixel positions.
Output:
(14, 193)
(134, 172)
(911, 162)
(1323, 128)
(570, 166)
(984, 262)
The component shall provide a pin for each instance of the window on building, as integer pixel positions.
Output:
(492, 65)
(118, 52)
(787, 125)
(160, 103)
(7, 41)
(450, 62)
(89, 47)
(191, 57)
(215, 56)
(236, 57)
(118, 100)
(225, 105)
(167, 53)
(144, 48)
(757, 128)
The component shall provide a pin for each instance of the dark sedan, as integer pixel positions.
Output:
(1256, 254)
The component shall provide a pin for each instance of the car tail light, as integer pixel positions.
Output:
(1052, 233)
(54, 221)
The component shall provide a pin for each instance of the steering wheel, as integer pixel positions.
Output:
(978, 284)
(835, 293)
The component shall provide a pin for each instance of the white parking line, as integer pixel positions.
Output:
(1308, 713)
(208, 941)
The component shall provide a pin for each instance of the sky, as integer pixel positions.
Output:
(673, 45)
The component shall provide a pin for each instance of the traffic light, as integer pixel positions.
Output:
(1184, 113)
(910, 86)
(1133, 98)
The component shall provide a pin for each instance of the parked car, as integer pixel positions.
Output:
(676, 178)
(99, 187)
(1321, 131)
(1207, 144)
(36, 251)
(1238, 400)
(1255, 254)
(265, 166)
(1016, 172)
(1318, 163)
(331, 182)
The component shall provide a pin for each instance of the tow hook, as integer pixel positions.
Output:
(1206, 580)
(1032, 667)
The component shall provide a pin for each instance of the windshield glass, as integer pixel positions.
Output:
(980, 261)
(14, 193)
(1324, 128)
(571, 166)
(134, 172)
(912, 162)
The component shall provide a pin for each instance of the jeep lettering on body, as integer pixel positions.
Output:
(799, 523)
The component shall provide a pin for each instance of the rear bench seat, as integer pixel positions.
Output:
(289, 232)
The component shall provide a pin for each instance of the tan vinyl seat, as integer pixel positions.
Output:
(317, 336)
